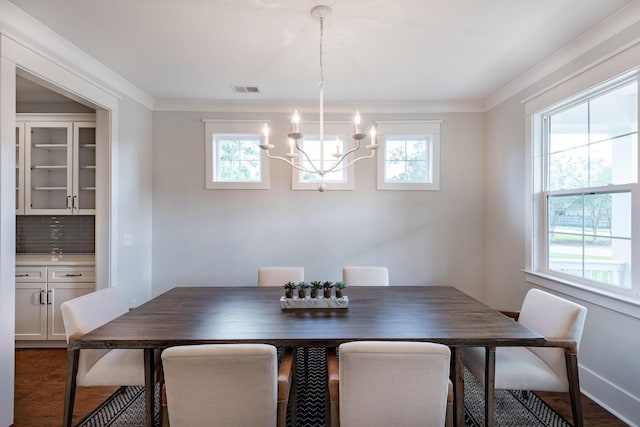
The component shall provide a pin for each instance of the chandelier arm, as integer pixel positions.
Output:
(334, 165)
(353, 161)
(320, 171)
(291, 163)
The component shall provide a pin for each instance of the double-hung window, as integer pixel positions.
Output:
(588, 176)
(409, 155)
(234, 159)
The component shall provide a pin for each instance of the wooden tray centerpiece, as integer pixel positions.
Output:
(326, 301)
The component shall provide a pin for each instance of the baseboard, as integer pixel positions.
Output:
(611, 397)
(40, 344)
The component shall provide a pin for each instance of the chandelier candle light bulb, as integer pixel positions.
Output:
(342, 159)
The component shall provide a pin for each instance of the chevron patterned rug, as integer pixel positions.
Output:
(125, 408)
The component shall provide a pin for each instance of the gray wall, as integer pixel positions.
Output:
(221, 237)
(609, 365)
(131, 197)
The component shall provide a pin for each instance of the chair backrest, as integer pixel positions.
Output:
(393, 384)
(365, 276)
(233, 385)
(278, 276)
(556, 317)
(86, 313)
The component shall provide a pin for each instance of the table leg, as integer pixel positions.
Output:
(457, 378)
(489, 385)
(149, 384)
(70, 387)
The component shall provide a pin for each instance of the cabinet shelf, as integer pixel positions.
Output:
(88, 167)
(49, 167)
(88, 188)
(90, 146)
(50, 188)
(51, 146)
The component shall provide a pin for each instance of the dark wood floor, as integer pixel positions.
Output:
(40, 380)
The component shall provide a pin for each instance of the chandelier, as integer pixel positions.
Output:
(341, 158)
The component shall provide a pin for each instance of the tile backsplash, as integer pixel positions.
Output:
(55, 234)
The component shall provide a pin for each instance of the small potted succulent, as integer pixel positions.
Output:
(315, 285)
(289, 287)
(326, 286)
(339, 287)
(302, 289)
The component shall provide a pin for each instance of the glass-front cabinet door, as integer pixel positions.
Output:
(84, 178)
(48, 164)
(19, 168)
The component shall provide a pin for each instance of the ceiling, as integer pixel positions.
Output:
(374, 50)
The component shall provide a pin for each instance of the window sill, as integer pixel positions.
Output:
(627, 305)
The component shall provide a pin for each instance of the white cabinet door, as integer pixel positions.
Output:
(48, 167)
(40, 291)
(31, 311)
(57, 294)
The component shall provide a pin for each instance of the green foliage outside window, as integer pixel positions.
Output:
(238, 159)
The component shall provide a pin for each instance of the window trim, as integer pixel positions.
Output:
(432, 128)
(571, 91)
(233, 127)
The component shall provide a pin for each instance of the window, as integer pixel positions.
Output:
(334, 142)
(409, 156)
(234, 159)
(589, 184)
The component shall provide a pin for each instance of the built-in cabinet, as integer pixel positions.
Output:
(55, 164)
(40, 290)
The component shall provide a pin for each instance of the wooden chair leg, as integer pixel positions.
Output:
(70, 388)
(574, 388)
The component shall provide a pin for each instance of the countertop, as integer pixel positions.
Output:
(52, 259)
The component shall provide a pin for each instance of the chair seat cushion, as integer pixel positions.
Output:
(130, 369)
(517, 368)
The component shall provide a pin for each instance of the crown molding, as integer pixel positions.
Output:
(32, 34)
(307, 106)
(605, 30)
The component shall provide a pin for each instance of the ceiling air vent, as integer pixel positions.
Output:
(245, 89)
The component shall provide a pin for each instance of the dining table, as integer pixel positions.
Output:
(250, 314)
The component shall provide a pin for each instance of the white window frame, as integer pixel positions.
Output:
(580, 85)
(331, 130)
(233, 127)
(408, 129)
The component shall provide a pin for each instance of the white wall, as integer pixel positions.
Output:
(220, 237)
(609, 363)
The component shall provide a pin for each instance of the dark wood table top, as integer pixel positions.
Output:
(197, 315)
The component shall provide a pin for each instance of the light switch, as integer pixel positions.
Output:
(128, 239)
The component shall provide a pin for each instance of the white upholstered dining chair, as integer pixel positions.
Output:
(550, 368)
(389, 383)
(227, 385)
(365, 276)
(278, 276)
(117, 367)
